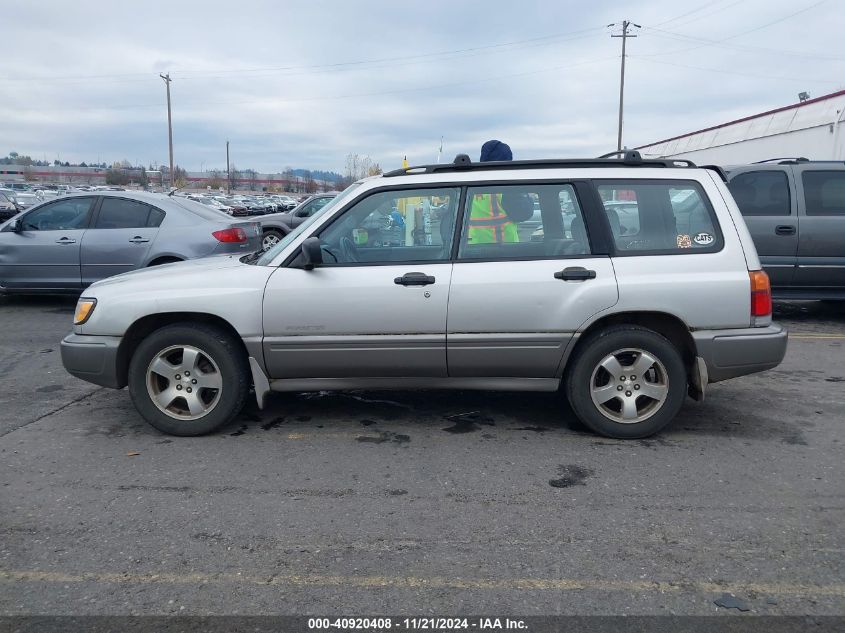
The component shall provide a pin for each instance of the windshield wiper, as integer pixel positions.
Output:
(252, 257)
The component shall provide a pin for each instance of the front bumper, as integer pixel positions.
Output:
(93, 358)
(737, 352)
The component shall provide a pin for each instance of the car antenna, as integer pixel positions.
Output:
(174, 190)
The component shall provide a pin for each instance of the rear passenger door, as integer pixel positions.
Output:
(821, 246)
(767, 200)
(521, 290)
(119, 239)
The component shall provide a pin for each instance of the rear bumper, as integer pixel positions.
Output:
(737, 352)
(93, 358)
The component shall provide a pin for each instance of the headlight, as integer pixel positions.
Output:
(84, 308)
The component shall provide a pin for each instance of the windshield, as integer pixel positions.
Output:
(269, 255)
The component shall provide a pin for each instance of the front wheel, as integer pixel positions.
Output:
(626, 382)
(189, 379)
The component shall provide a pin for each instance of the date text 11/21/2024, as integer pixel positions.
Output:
(416, 624)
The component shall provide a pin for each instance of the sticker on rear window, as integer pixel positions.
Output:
(703, 239)
(684, 241)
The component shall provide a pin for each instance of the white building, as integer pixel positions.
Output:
(811, 129)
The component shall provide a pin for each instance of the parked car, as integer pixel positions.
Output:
(66, 244)
(275, 226)
(8, 204)
(237, 209)
(626, 325)
(28, 197)
(795, 210)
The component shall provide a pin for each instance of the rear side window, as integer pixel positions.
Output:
(824, 192)
(761, 192)
(659, 217)
(119, 213)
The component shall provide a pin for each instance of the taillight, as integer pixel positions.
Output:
(231, 235)
(761, 294)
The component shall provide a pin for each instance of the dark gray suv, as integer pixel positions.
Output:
(795, 210)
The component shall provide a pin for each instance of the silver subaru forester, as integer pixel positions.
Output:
(628, 283)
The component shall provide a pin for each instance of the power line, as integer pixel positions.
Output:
(736, 72)
(336, 97)
(683, 15)
(706, 15)
(187, 73)
(680, 37)
(746, 32)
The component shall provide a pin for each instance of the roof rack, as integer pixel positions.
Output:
(784, 160)
(462, 162)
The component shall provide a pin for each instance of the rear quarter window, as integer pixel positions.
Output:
(824, 192)
(659, 217)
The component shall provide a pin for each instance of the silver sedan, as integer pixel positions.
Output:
(67, 244)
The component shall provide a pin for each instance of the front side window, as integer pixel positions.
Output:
(394, 226)
(761, 192)
(824, 192)
(659, 217)
(62, 215)
(310, 208)
(120, 213)
(522, 222)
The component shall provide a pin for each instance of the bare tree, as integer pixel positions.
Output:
(358, 166)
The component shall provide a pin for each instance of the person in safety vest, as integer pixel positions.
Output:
(489, 221)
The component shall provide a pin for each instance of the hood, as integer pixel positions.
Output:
(203, 265)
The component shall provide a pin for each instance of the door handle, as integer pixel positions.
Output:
(65, 240)
(414, 279)
(138, 240)
(784, 229)
(575, 273)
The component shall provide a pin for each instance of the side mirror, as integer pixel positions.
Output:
(17, 226)
(312, 254)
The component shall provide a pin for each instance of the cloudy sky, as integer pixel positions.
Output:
(304, 83)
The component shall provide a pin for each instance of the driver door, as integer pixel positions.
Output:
(45, 254)
(377, 305)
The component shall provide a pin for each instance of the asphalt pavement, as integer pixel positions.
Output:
(421, 503)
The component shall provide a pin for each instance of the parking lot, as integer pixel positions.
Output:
(437, 503)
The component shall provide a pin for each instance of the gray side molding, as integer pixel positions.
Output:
(262, 385)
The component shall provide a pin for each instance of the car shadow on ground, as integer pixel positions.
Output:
(58, 304)
(811, 312)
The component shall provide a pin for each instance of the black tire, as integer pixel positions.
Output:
(584, 369)
(230, 366)
(269, 235)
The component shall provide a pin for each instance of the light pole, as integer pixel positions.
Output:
(626, 24)
(167, 81)
(228, 176)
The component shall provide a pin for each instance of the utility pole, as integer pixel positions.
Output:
(167, 81)
(228, 176)
(625, 34)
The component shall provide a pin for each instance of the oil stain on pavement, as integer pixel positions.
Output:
(571, 475)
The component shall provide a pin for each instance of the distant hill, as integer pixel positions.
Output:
(328, 176)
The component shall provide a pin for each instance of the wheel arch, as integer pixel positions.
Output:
(669, 325)
(165, 259)
(144, 326)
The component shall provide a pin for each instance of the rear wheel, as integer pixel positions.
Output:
(626, 382)
(270, 239)
(189, 379)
